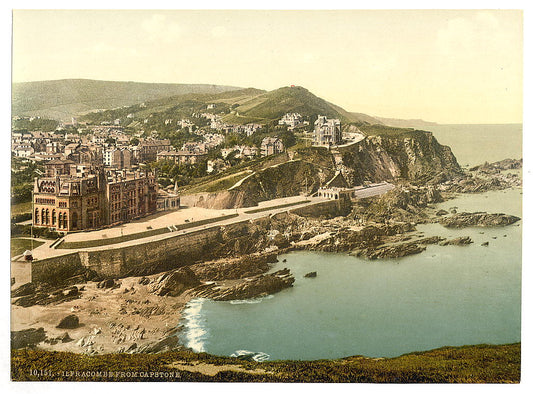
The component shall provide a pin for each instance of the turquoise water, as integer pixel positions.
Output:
(474, 144)
(452, 295)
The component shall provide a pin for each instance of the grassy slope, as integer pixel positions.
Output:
(18, 245)
(275, 104)
(466, 364)
(258, 106)
(68, 97)
(22, 207)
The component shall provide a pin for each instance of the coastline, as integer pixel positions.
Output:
(130, 317)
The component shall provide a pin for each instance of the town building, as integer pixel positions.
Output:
(129, 195)
(271, 146)
(23, 150)
(182, 156)
(148, 149)
(73, 197)
(119, 158)
(292, 119)
(327, 132)
(168, 200)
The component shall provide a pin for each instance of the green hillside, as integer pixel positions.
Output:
(274, 104)
(62, 99)
(237, 107)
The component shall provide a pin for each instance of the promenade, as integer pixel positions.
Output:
(188, 215)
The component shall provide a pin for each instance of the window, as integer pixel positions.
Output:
(74, 220)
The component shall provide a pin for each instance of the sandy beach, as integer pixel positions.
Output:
(111, 320)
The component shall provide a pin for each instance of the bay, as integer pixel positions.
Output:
(445, 296)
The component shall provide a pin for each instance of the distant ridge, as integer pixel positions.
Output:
(276, 103)
(65, 98)
(405, 122)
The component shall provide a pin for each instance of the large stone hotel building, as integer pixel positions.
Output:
(72, 197)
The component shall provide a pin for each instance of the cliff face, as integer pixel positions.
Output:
(417, 158)
(288, 179)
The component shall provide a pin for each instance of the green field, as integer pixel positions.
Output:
(23, 207)
(218, 184)
(19, 245)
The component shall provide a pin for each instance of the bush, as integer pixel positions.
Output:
(21, 217)
(38, 232)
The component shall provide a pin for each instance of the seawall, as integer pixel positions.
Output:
(173, 252)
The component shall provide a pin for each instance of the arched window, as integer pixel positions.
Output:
(47, 216)
(54, 217)
(65, 221)
(60, 224)
(43, 216)
(36, 216)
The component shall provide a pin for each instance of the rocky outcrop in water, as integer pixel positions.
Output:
(457, 241)
(256, 286)
(496, 167)
(478, 219)
(175, 282)
(344, 239)
(236, 268)
(390, 251)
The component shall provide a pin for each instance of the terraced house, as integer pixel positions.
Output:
(67, 199)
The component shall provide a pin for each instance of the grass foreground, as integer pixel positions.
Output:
(465, 364)
(20, 245)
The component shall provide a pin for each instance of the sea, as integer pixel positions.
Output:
(445, 296)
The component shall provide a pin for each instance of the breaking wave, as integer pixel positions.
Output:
(252, 300)
(249, 355)
(195, 331)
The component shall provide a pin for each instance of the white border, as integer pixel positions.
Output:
(56, 387)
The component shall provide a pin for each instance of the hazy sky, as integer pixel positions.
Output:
(444, 66)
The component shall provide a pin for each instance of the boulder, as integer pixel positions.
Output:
(106, 284)
(441, 212)
(175, 282)
(390, 251)
(310, 275)
(457, 241)
(64, 337)
(27, 338)
(253, 287)
(70, 321)
(24, 290)
(71, 292)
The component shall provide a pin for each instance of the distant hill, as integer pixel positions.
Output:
(62, 99)
(405, 122)
(276, 103)
(236, 107)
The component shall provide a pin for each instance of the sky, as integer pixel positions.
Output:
(461, 66)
